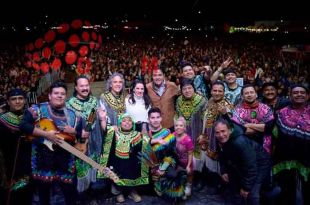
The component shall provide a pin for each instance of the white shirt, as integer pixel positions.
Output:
(137, 110)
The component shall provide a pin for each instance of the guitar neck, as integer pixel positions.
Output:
(79, 154)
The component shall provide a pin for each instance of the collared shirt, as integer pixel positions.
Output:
(161, 89)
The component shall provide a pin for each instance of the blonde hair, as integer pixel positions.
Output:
(181, 118)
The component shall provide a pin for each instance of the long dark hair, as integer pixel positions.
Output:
(146, 98)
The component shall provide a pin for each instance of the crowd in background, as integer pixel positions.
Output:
(203, 69)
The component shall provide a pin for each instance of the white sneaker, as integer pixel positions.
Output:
(188, 190)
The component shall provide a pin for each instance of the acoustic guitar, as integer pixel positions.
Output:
(47, 125)
(82, 145)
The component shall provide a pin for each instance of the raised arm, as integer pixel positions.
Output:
(224, 65)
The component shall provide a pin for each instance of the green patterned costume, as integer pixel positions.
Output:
(120, 151)
(84, 108)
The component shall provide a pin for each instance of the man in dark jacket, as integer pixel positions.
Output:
(244, 163)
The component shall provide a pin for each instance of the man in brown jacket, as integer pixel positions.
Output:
(163, 94)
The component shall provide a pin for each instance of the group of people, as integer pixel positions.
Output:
(161, 135)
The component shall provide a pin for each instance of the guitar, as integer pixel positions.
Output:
(47, 125)
(83, 142)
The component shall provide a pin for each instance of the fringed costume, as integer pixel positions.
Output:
(169, 181)
(114, 106)
(15, 168)
(85, 108)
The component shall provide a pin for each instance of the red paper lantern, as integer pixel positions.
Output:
(38, 43)
(91, 45)
(60, 46)
(44, 67)
(70, 57)
(74, 40)
(63, 28)
(36, 66)
(46, 52)
(80, 70)
(76, 24)
(36, 56)
(83, 51)
(85, 36)
(56, 64)
(94, 35)
(99, 39)
(49, 36)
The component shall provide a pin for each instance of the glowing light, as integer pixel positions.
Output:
(252, 29)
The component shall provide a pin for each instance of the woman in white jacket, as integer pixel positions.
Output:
(138, 103)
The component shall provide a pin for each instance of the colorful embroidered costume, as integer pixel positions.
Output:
(85, 108)
(293, 143)
(171, 184)
(114, 106)
(191, 110)
(14, 147)
(257, 113)
(210, 115)
(120, 151)
(57, 165)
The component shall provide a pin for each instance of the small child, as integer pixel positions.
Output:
(185, 149)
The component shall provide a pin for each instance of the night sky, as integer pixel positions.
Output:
(164, 11)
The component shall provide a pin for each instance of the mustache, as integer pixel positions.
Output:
(86, 90)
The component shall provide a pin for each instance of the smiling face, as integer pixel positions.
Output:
(158, 77)
(126, 124)
(249, 95)
(139, 90)
(270, 93)
(188, 91)
(188, 72)
(82, 88)
(217, 92)
(57, 97)
(117, 85)
(180, 127)
(230, 78)
(155, 120)
(16, 103)
(222, 133)
(299, 96)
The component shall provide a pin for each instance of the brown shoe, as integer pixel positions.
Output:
(135, 197)
(120, 198)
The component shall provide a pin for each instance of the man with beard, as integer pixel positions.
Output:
(53, 167)
(16, 152)
(292, 150)
(84, 105)
(254, 116)
(271, 98)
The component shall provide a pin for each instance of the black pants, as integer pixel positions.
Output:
(20, 196)
(44, 189)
